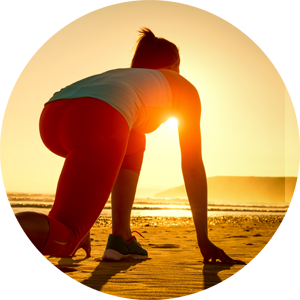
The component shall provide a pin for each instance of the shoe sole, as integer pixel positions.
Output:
(111, 254)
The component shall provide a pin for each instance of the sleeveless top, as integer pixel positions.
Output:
(142, 96)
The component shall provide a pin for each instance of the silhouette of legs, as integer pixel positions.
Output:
(122, 200)
(124, 190)
(92, 136)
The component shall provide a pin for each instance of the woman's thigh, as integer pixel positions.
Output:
(82, 122)
(93, 137)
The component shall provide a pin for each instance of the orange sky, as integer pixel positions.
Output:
(248, 121)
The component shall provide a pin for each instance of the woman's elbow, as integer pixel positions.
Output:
(193, 170)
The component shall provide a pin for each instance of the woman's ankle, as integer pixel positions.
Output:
(125, 234)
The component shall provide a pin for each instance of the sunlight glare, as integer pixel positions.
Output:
(172, 123)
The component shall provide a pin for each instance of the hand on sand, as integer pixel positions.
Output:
(212, 253)
(85, 244)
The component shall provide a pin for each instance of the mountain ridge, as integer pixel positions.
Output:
(243, 189)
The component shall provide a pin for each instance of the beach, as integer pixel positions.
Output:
(175, 265)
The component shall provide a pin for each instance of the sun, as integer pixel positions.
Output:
(172, 123)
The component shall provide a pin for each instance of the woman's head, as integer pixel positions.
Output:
(155, 53)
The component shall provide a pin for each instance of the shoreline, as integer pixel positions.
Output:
(144, 221)
(252, 209)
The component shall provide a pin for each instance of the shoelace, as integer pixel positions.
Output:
(139, 234)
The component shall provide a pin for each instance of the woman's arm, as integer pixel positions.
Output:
(192, 164)
(194, 175)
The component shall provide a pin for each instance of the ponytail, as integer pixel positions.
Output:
(154, 53)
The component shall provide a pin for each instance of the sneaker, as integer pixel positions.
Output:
(117, 249)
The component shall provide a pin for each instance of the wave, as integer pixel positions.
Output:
(139, 201)
(233, 209)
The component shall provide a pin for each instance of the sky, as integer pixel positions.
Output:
(248, 123)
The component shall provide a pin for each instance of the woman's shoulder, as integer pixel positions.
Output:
(180, 86)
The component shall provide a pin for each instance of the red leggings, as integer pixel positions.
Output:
(93, 137)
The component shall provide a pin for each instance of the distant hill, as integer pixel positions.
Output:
(144, 193)
(243, 189)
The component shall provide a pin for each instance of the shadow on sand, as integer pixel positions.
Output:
(89, 288)
(106, 270)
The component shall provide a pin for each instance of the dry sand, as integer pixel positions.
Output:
(175, 266)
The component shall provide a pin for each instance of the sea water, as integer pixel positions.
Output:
(156, 207)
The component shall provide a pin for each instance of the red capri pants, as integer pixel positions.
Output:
(96, 142)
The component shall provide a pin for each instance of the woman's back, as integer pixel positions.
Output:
(143, 96)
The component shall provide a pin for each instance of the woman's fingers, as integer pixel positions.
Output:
(215, 253)
(230, 260)
(225, 258)
(222, 256)
(87, 250)
(85, 244)
(206, 257)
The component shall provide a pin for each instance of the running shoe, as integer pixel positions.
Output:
(117, 249)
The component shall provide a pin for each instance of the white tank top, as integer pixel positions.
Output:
(142, 96)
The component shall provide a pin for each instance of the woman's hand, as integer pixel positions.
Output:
(212, 253)
(85, 244)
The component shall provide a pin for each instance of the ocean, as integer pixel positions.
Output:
(155, 207)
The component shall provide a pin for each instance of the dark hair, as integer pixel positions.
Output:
(152, 52)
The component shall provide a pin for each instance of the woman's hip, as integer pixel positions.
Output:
(82, 122)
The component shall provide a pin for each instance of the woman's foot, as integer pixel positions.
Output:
(124, 232)
(117, 248)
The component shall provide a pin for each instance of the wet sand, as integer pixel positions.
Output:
(175, 265)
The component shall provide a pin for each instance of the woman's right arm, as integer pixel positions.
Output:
(191, 161)
(189, 111)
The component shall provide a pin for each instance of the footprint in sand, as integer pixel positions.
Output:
(66, 269)
(164, 246)
(257, 234)
(237, 236)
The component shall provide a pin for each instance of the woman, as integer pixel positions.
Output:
(98, 124)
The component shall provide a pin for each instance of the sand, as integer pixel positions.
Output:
(175, 266)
